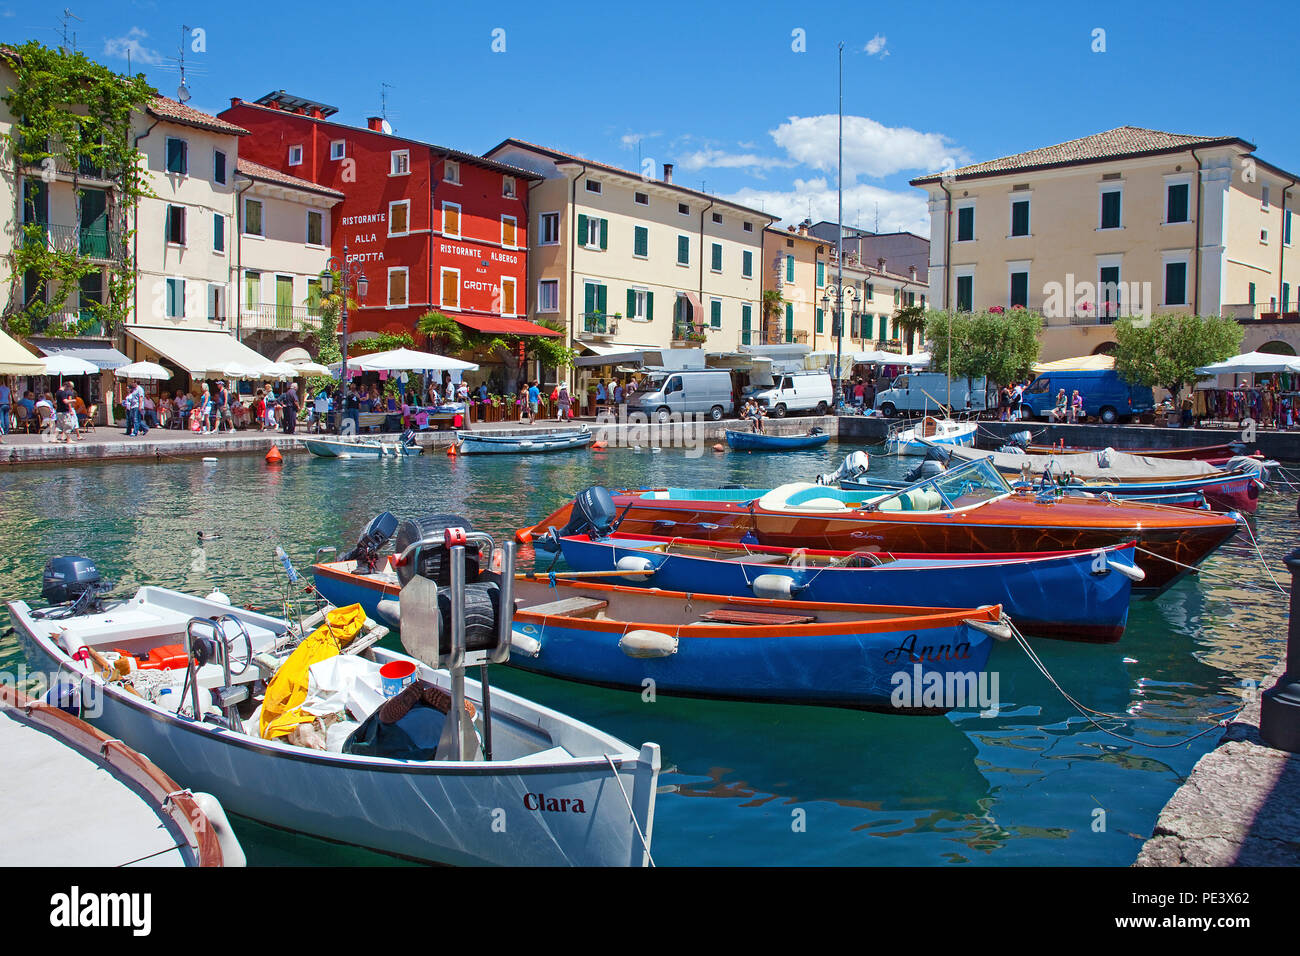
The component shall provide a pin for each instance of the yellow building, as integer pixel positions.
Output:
(794, 265)
(1127, 222)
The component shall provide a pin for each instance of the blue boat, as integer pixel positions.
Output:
(753, 441)
(468, 443)
(1074, 595)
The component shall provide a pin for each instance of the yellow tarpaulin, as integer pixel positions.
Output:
(288, 688)
(1084, 363)
(16, 360)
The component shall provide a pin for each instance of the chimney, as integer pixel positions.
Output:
(668, 172)
(912, 271)
(803, 228)
(235, 101)
(789, 228)
(375, 123)
(880, 264)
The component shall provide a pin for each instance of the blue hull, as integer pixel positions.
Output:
(1050, 597)
(751, 441)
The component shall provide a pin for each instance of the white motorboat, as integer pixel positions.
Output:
(929, 431)
(518, 784)
(345, 446)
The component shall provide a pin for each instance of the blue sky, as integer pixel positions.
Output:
(721, 91)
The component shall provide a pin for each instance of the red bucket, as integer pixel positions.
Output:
(397, 675)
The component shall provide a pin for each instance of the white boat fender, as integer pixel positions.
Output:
(218, 596)
(998, 630)
(645, 644)
(1130, 571)
(232, 854)
(635, 565)
(776, 586)
(525, 644)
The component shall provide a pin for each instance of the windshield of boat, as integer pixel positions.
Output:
(969, 484)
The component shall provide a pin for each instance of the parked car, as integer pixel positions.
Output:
(1105, 395)
(797, 392)
(683, 391)
(922, 391)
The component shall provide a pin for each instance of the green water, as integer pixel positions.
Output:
(743, 783)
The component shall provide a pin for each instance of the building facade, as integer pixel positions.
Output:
(1127, 222)
(794, 267)
(627, 262)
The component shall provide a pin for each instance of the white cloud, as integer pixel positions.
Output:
(720, 159)
(875, 45)
(131, 44)
(816, 198)
(870, 148)
(630, 140)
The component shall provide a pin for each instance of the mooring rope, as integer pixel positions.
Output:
(640, 836)
(1205, 573)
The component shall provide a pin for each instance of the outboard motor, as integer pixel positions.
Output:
(1021, 439)
(935, 463)
(366, 551)
(593, 513)
(74, 582)
(851, 467)
(408, 437)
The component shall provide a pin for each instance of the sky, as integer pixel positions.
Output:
(742, 98)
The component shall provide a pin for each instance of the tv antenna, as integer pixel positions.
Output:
(182, 90)
(383, 106)
(69, 15)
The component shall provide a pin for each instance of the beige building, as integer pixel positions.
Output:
(794, 265)
(627, 262)
(1127, 222)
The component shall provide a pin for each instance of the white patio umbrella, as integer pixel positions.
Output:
(309, 368)
(1252, 362)
(146, 370)
(239, 370)
(68, 365)
(408, 360)
(279, 370)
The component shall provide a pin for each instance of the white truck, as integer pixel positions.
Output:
(921, 391)
(795, 392)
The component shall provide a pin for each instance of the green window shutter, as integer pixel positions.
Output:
(600, 299)
(820, 316)
(717, 257)
(218, 232)
(821, 273)
(715, 314)
(649, 305)
(789, 268)
(631, 303)
(746, 318)
(871, 290)
(1110, 210)
(789, 322)
(589, 298)
(604, 234)
(966, 224)
(641, 241)
(1020, 289)
(582, 229)
(1020, 218)
(747, 259)
(683, 250)
(867, 322)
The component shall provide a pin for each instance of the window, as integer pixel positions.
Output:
(550, 227)
(639, 305)
(451, 220)
(508, 187)
(715, 263)
(593, 186)
(451, 288)
(683, 250)
(640, 242)
(1111, 209)
(789, 268)
(965, 223)
(252, 217)
(1176, 202)
(548, 295)
(399, 162)
(451, 172)
(176, 225)
(1263, 196)
(965, 293)
(1263, 236)
(315, 228)
(1286, 228)
(789, 322)
(218, 232)
(746, 324)
(509, 232)
(1286, 296)
(216, 302)
(821, 273)
(1019, 289)
(175, 298)
(641, 199)
(399, 215)
(508, 287)
(252, 289)
(684, 209)
(868, 323)
(871, 291)
(1020, 217)
(313, 297)
(595, 302)
(717, 218)
(1175, 283)
(178, 160)
(295, 155)
(853, 327)
(1250, 292)
(747, 264)
(337, 148)
(715, 313)
(593, 233)
(1108, 299)
(749, 227)
(821, 319)
(397, 285)
(218, 167)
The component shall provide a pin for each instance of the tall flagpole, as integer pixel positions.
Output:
(839, 248)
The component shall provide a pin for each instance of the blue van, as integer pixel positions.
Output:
(1106, 396)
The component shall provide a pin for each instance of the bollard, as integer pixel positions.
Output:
(1279, 715)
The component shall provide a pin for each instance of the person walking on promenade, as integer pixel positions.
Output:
(66, 415)
(564, 402)
(534, 398)
(6, 396)
(291, 406)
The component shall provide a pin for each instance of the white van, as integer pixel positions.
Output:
(797, 392)
(666, 392)
(919, 391)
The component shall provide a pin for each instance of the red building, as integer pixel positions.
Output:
(432, 227)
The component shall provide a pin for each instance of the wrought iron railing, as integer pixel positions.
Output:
(599, 323)
(104, 244)
(287, 318)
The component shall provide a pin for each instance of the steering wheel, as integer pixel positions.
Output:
(227, 642)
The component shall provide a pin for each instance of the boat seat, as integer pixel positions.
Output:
(822, 504)
(729, 615)
(569, 607)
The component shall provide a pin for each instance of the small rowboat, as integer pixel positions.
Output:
(752, 441)
(1075, 595)
(470, 444)
(929, 431)
(373, 448)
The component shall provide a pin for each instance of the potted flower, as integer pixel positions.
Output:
(996, 310)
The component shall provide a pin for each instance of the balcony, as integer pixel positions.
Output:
(1260, 312)
(687, 335)
(598, 325)
(100, 244)
(283, 318)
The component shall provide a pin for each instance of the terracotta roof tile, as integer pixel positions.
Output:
(252, 170)
(166, 108)
(1113, 144)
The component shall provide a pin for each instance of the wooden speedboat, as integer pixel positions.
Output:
(1214, 454)
(969, 508)
(74, 795)
(929, 431)
(1075, 595)
(530, 444)
(753, 441)
(575, 796)
(1157, 496)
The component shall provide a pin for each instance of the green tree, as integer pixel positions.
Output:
(1000, 346)
(1167, 349)
(773, 308)
(910, 319)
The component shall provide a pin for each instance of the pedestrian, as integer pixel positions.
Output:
(66, 415)
(1076, 406)
(134, 404)
(534, 399)
(564, 401)
(1004, 403)
(6, 397)
(291, 406)
(1058, 413)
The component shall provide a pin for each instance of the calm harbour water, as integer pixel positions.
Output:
(743, 784)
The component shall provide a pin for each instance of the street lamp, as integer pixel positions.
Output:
(350, 274)
(840, 293)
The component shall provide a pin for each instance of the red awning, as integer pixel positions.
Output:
(499, 326)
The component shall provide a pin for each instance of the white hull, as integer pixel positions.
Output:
(458, 812)
(917, 441)
(339, 448)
